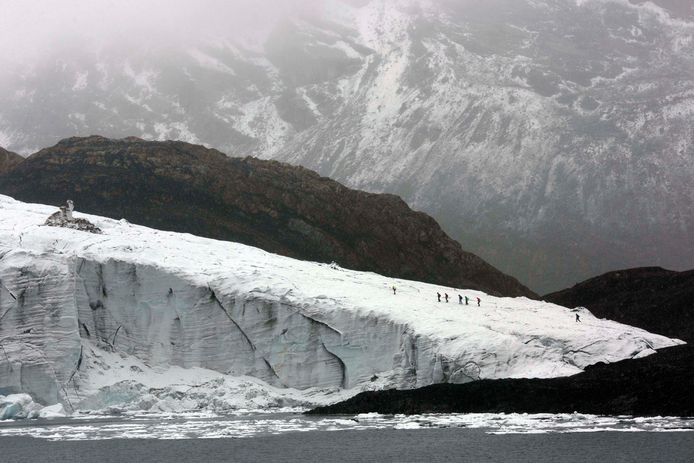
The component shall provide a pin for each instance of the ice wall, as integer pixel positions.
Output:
(57, 303)
(75, 306)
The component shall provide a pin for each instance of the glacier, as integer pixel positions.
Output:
(144, 319)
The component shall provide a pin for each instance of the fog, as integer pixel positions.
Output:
(30, 30)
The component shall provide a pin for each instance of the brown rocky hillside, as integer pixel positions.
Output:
(280, 208)
(8, 160)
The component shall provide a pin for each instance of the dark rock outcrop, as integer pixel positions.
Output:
(652, 298)
(660, 384)
(8, 160)
(280, 208)
(63, 218)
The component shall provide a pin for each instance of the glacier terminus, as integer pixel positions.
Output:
(141, 319)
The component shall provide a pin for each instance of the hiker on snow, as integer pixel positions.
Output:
(446, 296)
(439, 296)
(578, 319)
(460, 299)
(466, 300)
(393, 290)
(478, 301)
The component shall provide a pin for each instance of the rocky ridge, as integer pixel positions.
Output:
(280, 208)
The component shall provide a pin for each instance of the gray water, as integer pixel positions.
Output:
(383, 445)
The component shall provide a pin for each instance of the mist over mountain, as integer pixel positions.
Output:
(550, 137)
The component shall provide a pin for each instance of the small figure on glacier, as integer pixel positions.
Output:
(393, 290)
(460, 299)
(578, 319)
(439, 296)
(467, 300)
(446, 296)
(479, 301)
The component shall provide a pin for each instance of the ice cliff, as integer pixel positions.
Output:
(140, 316)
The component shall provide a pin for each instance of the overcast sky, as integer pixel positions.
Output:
(30, 28)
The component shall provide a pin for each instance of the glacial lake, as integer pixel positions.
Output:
(293, 437)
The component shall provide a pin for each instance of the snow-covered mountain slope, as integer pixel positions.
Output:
(550, 137)
(80, 313)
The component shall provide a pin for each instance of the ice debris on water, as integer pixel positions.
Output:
(21, 406)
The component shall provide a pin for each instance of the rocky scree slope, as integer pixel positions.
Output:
(116, 316)
(280, 208)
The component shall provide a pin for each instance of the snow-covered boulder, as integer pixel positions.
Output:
(53, 411)
(80, 313)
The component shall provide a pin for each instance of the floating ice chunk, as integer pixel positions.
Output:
(223, 394)
(21, 406)
(368, 415)
(53, 411)
(18, 406)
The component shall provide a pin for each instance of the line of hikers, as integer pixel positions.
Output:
(460, 299)
(467, 300)
(445, 295)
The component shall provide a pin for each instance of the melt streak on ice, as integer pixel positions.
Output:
(139, 316)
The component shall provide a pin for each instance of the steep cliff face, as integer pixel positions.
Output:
(81, 313)
(8, 160)
(280, 208)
